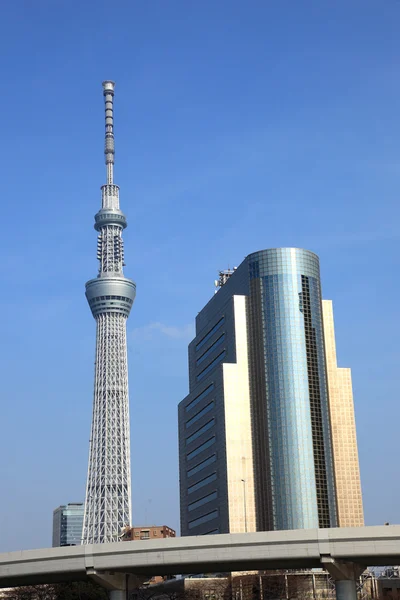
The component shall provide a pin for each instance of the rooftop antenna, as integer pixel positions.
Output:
(109, 147)
(223, 277)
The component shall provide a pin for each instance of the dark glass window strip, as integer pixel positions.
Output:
(97, 298)
(201, 501)
(199, 449)
(200, 431)
(315, 406)
(199, 398)
(204, 519)
(211, 349)
(202, 482)
(212, 532)
(212, 364)
(208, 461)
(200, 414)
(210, 333)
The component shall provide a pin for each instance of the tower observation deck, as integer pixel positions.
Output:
(110, 296)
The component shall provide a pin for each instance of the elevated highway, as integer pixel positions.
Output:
(344, 552)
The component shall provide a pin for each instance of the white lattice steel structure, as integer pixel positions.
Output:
(110, 297)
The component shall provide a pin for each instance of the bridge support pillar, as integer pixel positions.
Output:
(345, 575)
(118, 584)
(117, 594)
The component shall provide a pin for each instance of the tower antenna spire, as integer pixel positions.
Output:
(109, 148)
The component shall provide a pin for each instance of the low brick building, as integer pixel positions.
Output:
(148, 532)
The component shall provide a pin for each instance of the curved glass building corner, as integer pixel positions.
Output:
(295, 486)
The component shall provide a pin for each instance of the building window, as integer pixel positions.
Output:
(212, 532)
(204, 500)
(200, 431)
(202, 483)
(204, 519)
(211, 349)
(212, 364)
(202, 465)
(198, 415)
(205, 339)
(199, 449)
(199, 398)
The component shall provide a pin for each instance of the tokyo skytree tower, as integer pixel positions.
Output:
(110, 297)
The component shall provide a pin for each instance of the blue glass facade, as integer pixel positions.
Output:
(292, 442)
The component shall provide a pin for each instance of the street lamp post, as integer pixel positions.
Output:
(244, 504)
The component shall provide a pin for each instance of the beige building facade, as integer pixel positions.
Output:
(238, 438)
(343, 425)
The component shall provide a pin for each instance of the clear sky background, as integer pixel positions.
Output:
(240, 125)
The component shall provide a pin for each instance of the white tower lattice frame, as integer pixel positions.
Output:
(110, 297)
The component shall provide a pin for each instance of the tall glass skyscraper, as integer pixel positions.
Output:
(67, 525)
(255, 432)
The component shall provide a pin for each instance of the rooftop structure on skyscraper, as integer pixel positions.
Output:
(223, 277)
(110, 296)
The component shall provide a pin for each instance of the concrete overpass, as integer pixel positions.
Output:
(344, 552)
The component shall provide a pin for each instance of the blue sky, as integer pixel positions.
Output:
(239, 126)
